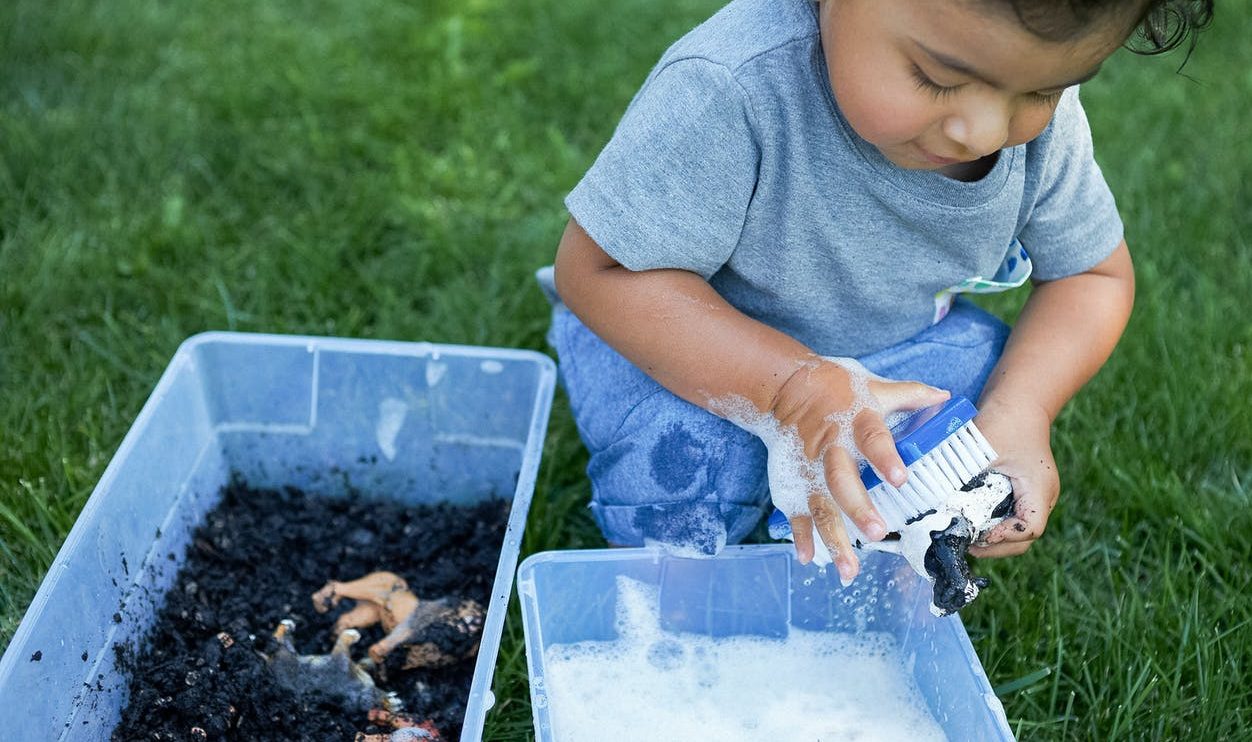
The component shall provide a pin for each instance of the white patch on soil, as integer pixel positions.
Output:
(435, 371)
(391, 414)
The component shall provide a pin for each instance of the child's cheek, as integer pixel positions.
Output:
(882, 118)
(1029, 124)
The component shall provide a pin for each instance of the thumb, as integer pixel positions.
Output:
(897, 396)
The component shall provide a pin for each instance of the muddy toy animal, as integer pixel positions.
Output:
(334, 674)
(935, 542)
(406, 729)
(436, 632)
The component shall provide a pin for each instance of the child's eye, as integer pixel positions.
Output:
(930, 86)
(1048, 99)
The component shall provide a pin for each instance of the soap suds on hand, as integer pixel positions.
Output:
(792, 475)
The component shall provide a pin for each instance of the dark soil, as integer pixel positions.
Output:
(255, 561)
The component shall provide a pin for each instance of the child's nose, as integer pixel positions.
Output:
(981, 128)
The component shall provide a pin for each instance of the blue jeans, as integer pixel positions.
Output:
(663, 469)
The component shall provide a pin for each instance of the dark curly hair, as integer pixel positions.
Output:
(1161, 25)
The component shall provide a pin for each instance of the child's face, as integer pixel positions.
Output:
(935, 84)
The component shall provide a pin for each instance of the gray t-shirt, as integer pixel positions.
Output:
(734, 162)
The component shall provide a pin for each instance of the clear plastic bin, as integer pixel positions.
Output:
(571, 596)
(412, 421)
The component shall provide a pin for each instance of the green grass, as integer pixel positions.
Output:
(393, 169)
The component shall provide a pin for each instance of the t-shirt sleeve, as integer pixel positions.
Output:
(1073, 223)
(671, 188)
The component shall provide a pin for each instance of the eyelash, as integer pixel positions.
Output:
(939, 92)
(1050, 99)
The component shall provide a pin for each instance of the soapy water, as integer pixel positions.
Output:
(655, 685)
(792, 475)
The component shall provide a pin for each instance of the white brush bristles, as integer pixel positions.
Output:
(935, 477)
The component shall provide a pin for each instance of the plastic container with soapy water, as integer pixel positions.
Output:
(417, 422)
(569, 597)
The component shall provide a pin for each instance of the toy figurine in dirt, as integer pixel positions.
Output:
(406, 729)
(333, 674)
(336, 675)
(435, 633)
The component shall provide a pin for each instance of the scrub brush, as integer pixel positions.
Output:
(951, 499)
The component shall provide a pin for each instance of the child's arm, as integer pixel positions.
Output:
(679, 330)
(1065, 333)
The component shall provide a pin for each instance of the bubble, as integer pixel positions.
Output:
(707, 673)
(666, 654)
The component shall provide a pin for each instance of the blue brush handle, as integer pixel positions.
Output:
(917, 436)
(924, 432)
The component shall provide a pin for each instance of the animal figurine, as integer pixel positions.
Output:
(334, 674)
(935, 542)
(406, 729)
(436, 633)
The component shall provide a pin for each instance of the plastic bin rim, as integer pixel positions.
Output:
(416, 348)
(634, 552)
(525, 570)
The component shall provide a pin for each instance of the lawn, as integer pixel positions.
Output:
(389, 169)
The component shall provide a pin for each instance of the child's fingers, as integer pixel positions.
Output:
(843, 478)
(875, 443)
(1004, 549)
(1028, 521)
(898, 396)
(802, 535)
(1017, 529)
(829, 525)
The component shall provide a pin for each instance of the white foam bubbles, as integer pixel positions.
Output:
(651, 684)
(792, 475)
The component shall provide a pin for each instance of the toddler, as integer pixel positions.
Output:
(801, 184)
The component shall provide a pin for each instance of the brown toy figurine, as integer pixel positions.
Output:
(436, 632)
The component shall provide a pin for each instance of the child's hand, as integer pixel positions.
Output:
(825, 413)
(1021, 437)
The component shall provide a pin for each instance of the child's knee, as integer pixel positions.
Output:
(677, 474)
(661, 468)
(702, 526)
(601, 384)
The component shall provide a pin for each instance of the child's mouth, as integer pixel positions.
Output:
(936, 159)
